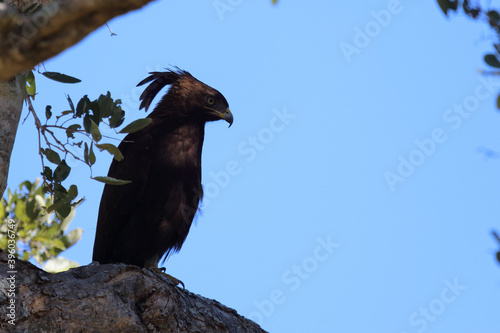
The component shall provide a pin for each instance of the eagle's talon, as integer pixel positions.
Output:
(176, 281)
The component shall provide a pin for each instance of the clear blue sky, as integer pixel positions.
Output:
(360, 201)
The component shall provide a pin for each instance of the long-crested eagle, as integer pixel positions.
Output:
(150, 217)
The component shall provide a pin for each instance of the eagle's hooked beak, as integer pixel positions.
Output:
(226, 115)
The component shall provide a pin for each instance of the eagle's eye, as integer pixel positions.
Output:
(210, 100)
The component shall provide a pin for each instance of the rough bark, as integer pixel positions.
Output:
(108, 298)
(11, 105)
(25, 41)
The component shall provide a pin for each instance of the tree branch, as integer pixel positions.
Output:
(27, 40)
(11, 105)
(109, 298)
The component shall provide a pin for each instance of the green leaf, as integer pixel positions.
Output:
(136, 125)
(71, 105)
(95, 117)
(55, 206)
(446, 5)
(67, 220)
(106, 105)
(94, 130)
(112, 149)
(52, 156)
(72, 129)
(83, 106)
(45, 189)
(20, 211)
(60, 193)
(86, 153)
(26, 184)
(91, 155)
(72, 237)
(61, 172)
(469, 10)
(492, 60)
(117, 118)
(72, 192)
(111, 180)
(63, 78)
(96, 112)
(30, 84)
(47, 172)
(86, 123)
(493, 16)
(48, 112)
(59, 264)
(443, 4)
(64, 209)
(31, 209)
(3, 214)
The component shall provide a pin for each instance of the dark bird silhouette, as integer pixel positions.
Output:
(150, 217)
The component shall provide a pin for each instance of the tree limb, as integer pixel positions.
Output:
(11, 105)
(27, 40)
(109, 298)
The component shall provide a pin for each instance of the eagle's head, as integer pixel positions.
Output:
(187, 98)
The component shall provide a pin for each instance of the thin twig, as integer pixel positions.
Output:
(38, 128)
(112, 33)
(496, 236)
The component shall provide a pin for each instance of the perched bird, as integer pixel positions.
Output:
(150, 217)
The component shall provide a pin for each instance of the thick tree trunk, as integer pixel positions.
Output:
(106, 298)
(11, 105)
